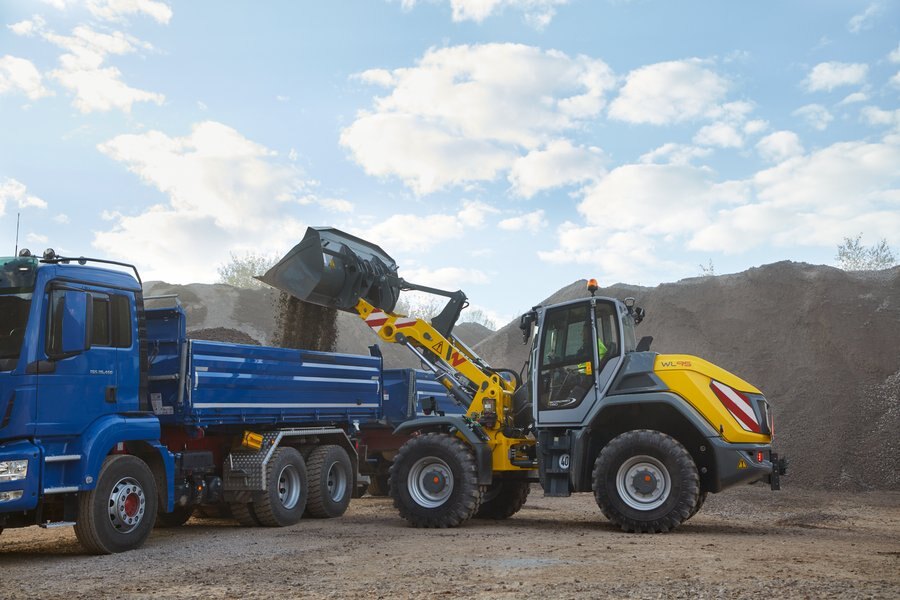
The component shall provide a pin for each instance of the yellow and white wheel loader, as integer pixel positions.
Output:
(595, 410)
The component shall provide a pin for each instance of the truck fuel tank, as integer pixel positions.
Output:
(332, 268)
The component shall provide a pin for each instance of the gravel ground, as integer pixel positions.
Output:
(745, 543)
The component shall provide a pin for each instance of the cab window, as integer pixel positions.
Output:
(567, 356)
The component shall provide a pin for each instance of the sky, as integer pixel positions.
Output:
(503, 147)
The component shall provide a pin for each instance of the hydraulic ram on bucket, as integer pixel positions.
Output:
(333, 268)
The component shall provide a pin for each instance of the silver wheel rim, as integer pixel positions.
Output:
(289, 486)
(634, 487)
(337, 481)
(127, 504)
(423, 488)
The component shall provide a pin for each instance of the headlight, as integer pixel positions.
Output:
(13, 470)
(10, 496)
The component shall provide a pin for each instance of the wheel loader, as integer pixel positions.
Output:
(593, 410)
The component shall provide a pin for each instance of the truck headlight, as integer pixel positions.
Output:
(10, 496)
(13, 470)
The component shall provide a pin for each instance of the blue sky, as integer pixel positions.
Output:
(505, 147)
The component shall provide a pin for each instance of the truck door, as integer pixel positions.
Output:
(579, 351)
(76, 387)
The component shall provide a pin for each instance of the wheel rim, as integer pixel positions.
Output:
(643, 482)
(127, 504)
(289, 486)
(337, 481)
(430, 482)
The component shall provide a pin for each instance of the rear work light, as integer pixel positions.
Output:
(738, 405)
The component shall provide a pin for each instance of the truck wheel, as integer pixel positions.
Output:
(434, 482)
(646, 481)
(243, 513)
(213, 511)
(118, 514)
(176, 518)
(284, 500)
(503, 499)
(378, 486)
(330, 482)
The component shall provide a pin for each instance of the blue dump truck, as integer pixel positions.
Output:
(112, 420)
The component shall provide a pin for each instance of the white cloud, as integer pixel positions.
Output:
(117, 10)
(559, 164)
(28, 27)
(854, 98)
(224, 193)
(446, 278)
(895, 80)
(876, 116)
(676, 154)
(13, 191)
(829, 75)
(779, 146)
(336, 205)
(82, 71)
(20, 75)
(533, 221)
(864, 19)
(719, 134)
(670, 92)
(894, 56)
(467, 113)
(411, 232)
(61, 218)
(537, 13)
(755, 126)
(815, 115)
(37, 238)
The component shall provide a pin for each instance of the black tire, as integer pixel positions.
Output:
(243, 513)
(213, 511)
(118, 514)
(330, 475)
(284, 500)
(378, 486)
(360, 489)
(646, 482)
(434, 481)
(700, 501)
(503, 499)
(176, 518)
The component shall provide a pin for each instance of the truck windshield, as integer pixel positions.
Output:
(17, 277)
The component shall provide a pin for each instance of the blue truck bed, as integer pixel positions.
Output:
(235, 384)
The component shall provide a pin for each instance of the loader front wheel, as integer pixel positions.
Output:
(646, 482)
(434, 481)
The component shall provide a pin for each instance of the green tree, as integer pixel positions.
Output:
(242, 268)
(854, 256)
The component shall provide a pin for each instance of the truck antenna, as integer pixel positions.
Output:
(16, 253)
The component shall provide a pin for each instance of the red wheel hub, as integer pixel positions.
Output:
(132, 505)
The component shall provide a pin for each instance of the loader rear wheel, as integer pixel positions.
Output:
(434, 481)
(503, 499)
(284, 499)
(378, 486)
(330, 482)
(118, 514)
(645, 481)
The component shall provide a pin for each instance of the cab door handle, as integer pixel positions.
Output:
(111, 394)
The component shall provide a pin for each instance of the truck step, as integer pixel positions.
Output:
(56, 524)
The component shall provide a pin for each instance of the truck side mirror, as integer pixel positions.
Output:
(71, 324)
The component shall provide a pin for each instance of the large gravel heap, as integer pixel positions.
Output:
(821, 343)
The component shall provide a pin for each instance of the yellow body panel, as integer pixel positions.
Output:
(689, 377)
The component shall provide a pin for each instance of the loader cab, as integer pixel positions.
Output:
(577, 350)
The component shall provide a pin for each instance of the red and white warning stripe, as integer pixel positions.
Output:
(378, 318)
(738, 405)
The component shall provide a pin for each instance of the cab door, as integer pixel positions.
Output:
(578, 354)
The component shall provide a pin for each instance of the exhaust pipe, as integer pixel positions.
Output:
(332, 268)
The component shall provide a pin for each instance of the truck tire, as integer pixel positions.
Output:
(176, 518)
(378, 486)
(503, 499)
(330, 482)
(118, 514)
(646, 482)
(213, 511)
(434, 481)
(284, 500)
(243, 513)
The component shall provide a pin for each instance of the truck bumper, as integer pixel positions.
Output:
(22, 494)
(739, 463)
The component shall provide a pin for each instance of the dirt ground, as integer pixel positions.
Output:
(745, 543)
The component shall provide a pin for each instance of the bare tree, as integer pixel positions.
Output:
(241, 269)
(854, 256)
(708, 270)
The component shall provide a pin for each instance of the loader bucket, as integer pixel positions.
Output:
(333, 268)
